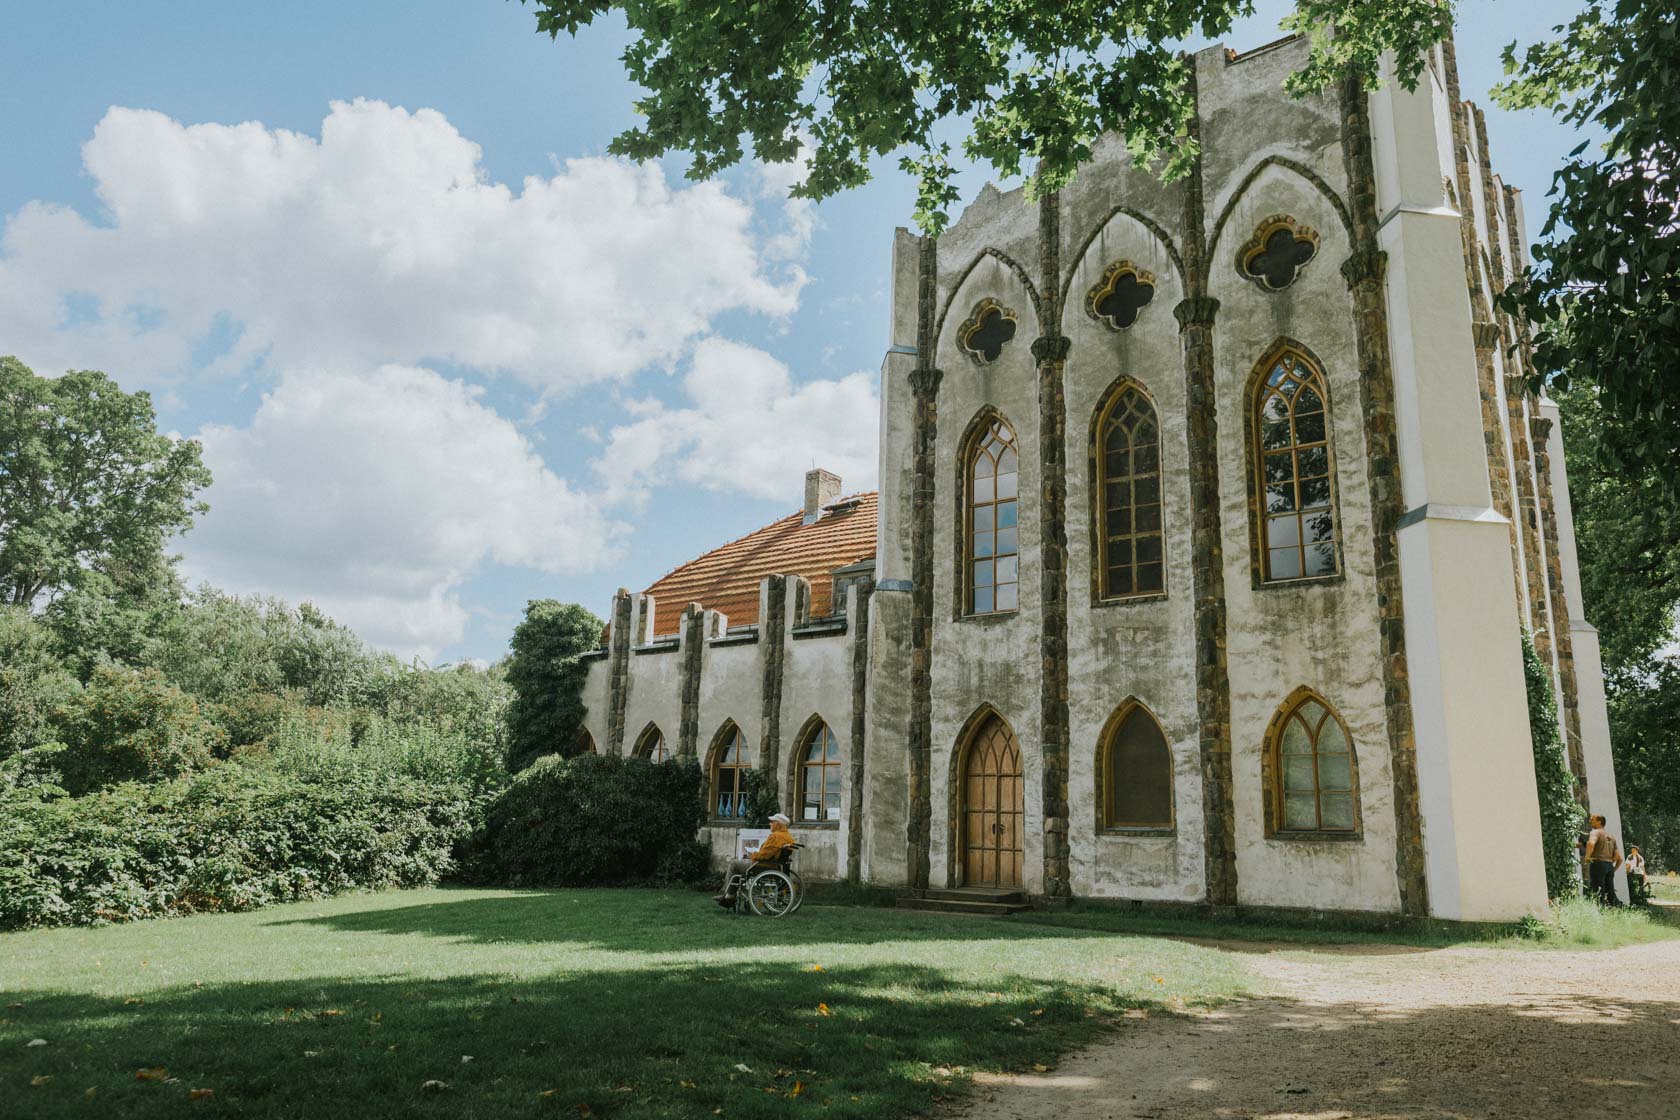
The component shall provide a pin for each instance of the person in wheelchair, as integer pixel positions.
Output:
(769, 853)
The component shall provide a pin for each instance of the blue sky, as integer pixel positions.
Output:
(424, 404)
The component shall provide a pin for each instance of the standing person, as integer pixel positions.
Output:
(1605, 857)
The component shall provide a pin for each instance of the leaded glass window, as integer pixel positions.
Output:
(733, 759)
(1137, 774)
(651, 744)
(1129, 474)
(1292, 437)
(1314, 770)
(819, 776)
(993, 553)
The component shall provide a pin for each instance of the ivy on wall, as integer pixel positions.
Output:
(1561, 816)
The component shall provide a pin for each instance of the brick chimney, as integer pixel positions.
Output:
(822, 488)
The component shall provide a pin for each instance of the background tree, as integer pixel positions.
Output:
(87, 484)
(1605, 290)
(1035, 82)
(546, 672)
(1628, 539)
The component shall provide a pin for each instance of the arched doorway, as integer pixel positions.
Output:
(991, 806)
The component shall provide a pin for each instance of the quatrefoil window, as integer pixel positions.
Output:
(986, 332)
(1277, 252)
(1121, 295)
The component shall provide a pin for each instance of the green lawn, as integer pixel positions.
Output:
(566, 1003)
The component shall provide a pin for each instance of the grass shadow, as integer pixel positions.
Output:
(752, 1039)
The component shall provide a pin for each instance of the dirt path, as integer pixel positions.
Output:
(1375, 1032)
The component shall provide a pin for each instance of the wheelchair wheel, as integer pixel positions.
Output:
(772, 894)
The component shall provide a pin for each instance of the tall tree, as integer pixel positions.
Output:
(1605, 290)
(546, 673)
(1036, 82)
(1628, 540)
(87, 484)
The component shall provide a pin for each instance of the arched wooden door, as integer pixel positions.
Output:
(991, 807)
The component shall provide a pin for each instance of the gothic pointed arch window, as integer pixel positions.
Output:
(1312, 768)
(1127, 456)
(585, 742)
(731, 761)
(991, 558)
(819, 775)
(1136, 769)
(650, 744)
(1294, 467)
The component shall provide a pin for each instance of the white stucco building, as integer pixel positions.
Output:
(1210, 516)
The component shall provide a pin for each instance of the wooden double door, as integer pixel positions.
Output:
(991, 809)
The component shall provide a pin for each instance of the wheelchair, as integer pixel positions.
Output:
(771, 890)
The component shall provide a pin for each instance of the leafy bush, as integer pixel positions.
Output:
(595, 820)
(33, 683)
(1560, 814)
(130, 725)
(235, 837)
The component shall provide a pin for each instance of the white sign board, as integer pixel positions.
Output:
(747, 841)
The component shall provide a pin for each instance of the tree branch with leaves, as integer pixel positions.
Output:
(1035, 83)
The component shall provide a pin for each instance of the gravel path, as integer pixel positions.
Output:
(1389, 1033)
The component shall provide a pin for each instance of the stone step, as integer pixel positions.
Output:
(976, 907)
(1013, 896)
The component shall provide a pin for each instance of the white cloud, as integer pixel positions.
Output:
(383, 241)
(377, 495)
(747, 429)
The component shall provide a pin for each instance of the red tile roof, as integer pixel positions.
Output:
(726, 579)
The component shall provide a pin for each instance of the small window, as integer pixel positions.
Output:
(651, 744)
(729, 774)
(992, 557)
(819, 776)
(1137, 773)
(585, 741)
(1297, 494)
(984, 335)
(1313, 770)
(1129, 536)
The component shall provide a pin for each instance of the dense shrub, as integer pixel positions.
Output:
(546, 672)
(595, 820)
(129, 725)
(33, 683)
(232, 838)
(1560, 814)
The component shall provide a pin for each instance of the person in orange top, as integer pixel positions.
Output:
(770, 851)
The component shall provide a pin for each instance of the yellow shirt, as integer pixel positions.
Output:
(771, 850)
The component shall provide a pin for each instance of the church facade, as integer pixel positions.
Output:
(1210, 517)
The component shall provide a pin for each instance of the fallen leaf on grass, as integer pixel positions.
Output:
(547, 1092)
(132, 1001)
(686, 1084)
(1015, 1021)
(798, 1088)
(156, 1074)
(465, 1058)
(312, 1053)
(36, 1042)
(1160, 979)
(37, 1082)
(434, 1086)
(201, 1094)
(1038, 1012)
(822, 1009)
(814, 968)
(331, 1013)
(743, 1067)
(1040, 1067)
